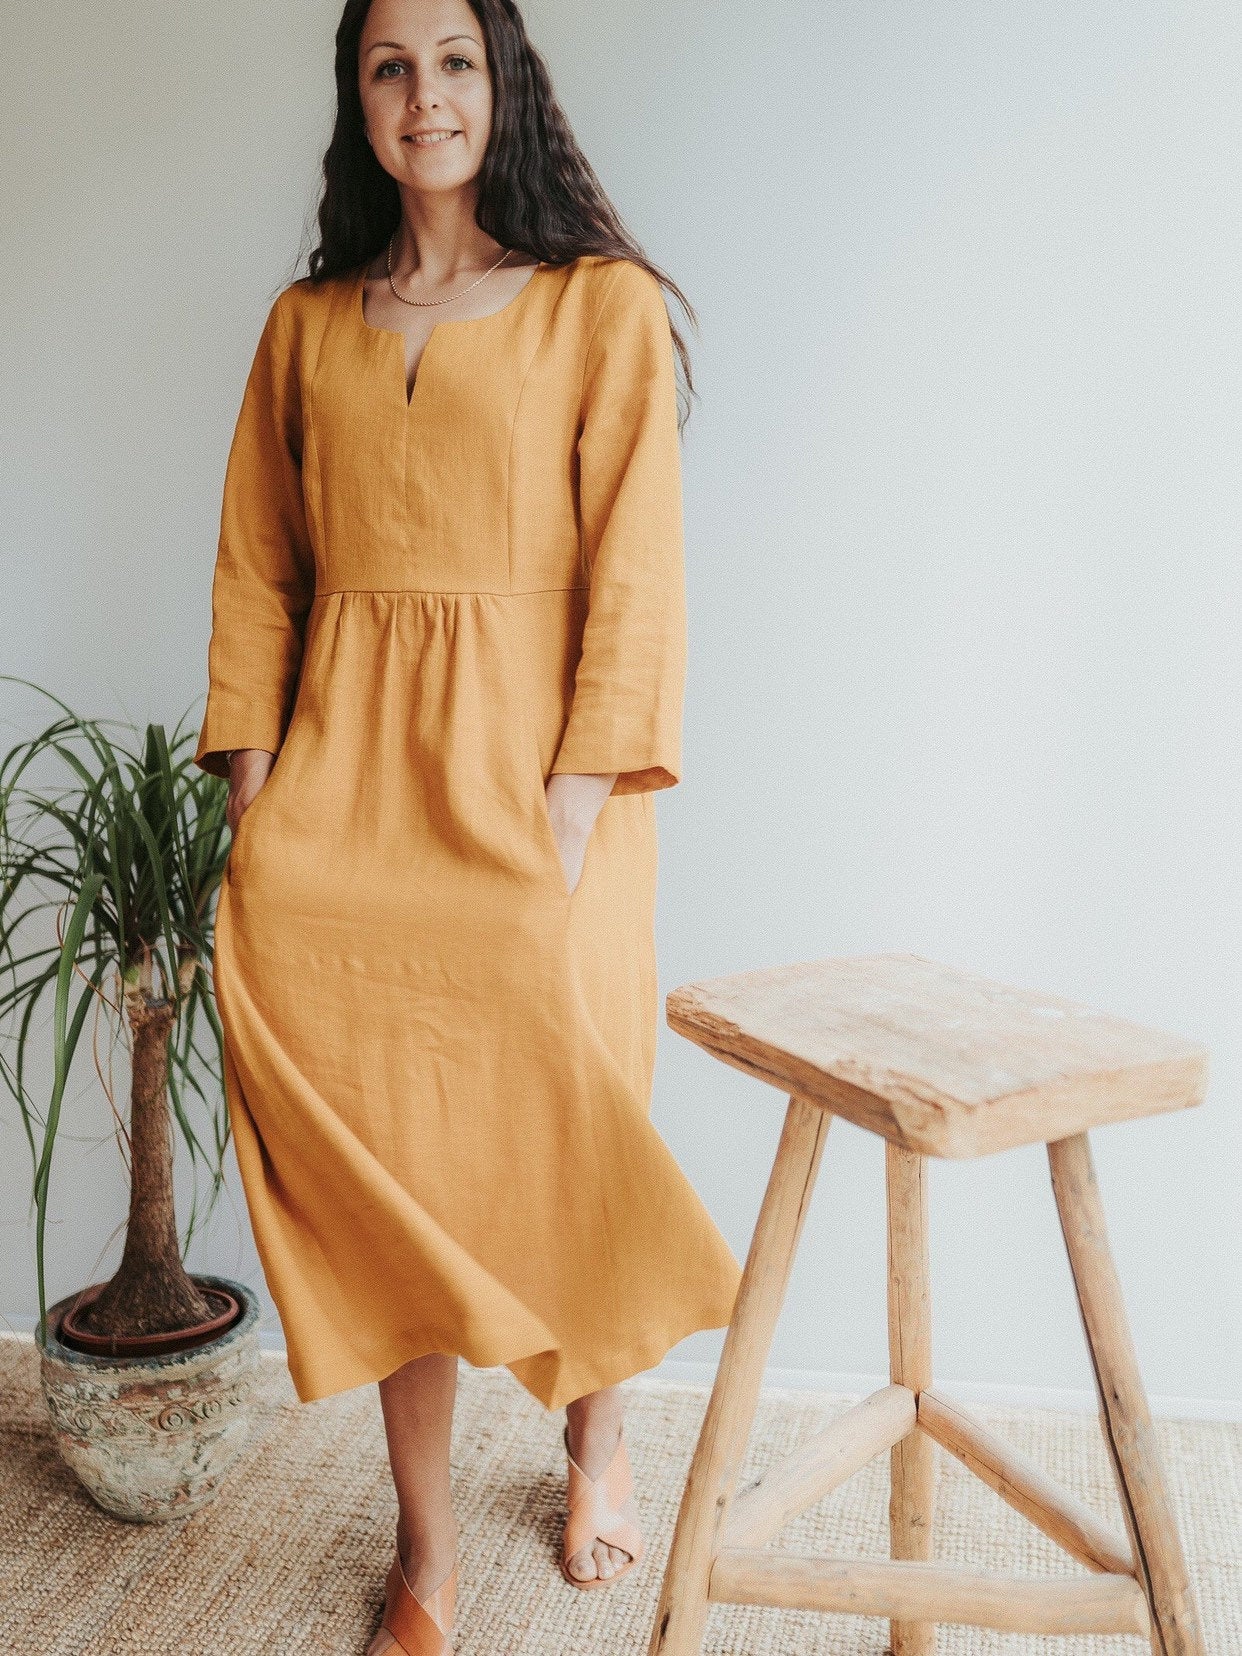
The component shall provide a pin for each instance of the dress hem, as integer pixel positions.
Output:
(575, 1383)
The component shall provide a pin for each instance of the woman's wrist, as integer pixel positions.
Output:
(247, 762)
(574, 802)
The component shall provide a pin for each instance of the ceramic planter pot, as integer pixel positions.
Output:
(153, 1437)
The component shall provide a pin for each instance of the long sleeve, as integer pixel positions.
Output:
(264, 579)
(626, 712)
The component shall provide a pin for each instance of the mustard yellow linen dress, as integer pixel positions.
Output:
(438, 1060)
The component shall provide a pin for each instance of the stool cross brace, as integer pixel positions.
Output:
(1138, 1582)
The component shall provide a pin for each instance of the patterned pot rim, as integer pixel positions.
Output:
(52, 1350)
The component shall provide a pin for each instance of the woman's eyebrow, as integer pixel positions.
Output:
(396, 45)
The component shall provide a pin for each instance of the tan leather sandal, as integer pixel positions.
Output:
(421, 1628)
(601, 1509)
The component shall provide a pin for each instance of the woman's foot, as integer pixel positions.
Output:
(424, 1568)
(593, 1426)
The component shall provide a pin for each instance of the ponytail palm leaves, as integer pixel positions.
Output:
(110, 859)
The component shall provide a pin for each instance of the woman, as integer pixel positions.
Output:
(446, 671)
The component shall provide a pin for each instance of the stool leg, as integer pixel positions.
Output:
(1124, 1414)
(682, 1611)
(912, 1462)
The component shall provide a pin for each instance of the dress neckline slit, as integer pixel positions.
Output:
(408, 390)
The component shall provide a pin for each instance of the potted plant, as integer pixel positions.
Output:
(147, 1377)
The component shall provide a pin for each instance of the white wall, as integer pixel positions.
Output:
(962, 511)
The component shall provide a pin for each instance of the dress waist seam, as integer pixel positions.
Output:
(449, 592)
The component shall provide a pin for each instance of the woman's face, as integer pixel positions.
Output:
(422, 69)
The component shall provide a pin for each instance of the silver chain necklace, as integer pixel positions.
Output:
(451, 296)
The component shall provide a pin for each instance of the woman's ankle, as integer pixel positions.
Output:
(427, 1549)
(593, 1426)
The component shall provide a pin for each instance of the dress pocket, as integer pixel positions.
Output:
(241, 836)
(545, 830)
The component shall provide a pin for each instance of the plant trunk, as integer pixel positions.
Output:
(150, 1293)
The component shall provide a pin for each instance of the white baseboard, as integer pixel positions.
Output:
(776, 1380)
(701, 1375)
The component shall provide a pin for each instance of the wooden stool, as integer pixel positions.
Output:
(939, 1062)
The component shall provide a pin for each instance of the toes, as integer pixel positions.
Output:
(600, 1560)
(582, 1565)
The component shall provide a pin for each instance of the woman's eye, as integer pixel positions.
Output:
(395, 63)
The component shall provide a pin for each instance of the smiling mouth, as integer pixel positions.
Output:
(427, 140)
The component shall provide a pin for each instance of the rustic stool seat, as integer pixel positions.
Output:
(939, 1062)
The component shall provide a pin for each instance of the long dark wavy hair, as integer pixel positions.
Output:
(537, 190)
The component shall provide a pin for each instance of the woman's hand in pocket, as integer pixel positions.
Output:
(249, 769)
(574, 802)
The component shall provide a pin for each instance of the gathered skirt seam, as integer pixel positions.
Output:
(449, 592)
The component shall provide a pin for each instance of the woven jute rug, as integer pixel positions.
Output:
(291, 1556)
